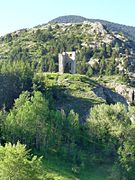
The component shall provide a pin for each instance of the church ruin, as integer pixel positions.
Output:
(67, 62)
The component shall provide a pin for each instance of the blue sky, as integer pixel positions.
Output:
(17, 14)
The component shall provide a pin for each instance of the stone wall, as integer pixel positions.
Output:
(67, 62)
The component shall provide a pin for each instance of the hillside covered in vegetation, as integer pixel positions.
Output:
(129, 31)
(98, 51)
(79, 126)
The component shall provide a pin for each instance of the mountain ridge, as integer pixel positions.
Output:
(98, 50)
(129, 31)
(83, 19)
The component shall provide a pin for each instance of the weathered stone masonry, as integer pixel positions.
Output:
(67, 62)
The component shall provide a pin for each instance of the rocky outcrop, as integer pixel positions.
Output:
(120, 93)
(109, 96)
(127, 92)
(93, 62)
(95, 27)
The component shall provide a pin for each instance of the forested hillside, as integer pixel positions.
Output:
(79, 126)
(98, 51)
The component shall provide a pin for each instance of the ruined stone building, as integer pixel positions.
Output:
(67, 62)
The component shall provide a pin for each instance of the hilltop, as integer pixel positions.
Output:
(98, 50)
(129, 31)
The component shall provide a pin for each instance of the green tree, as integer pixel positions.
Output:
(107, 125)
(82, 66)
(126, 151)
(126, 154)
(16, 163)
(102, 66)
(109, 50)
(110, 67)
(8, 38)
(15, 77)
(50, 28)
(28, 120)
(70, 137)
(52, 67)
(3, 115)
(89, 72)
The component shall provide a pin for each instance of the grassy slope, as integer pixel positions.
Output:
(109, 80)
(73, 92)
(58, 170)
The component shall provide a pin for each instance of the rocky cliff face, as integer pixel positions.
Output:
(111, 97)
(120, 93)
(127, 92)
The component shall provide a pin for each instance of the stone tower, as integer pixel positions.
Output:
(67, 62)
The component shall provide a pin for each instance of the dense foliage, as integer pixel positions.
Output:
(112, 128)
(62, 115)
(16, 163)
(96, 53)
(108, 135)
(15, 77)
